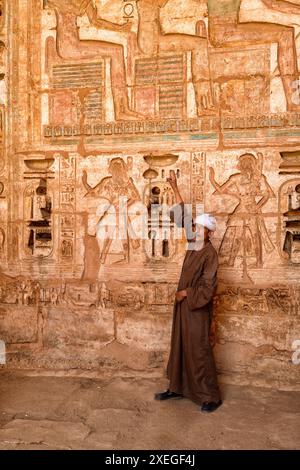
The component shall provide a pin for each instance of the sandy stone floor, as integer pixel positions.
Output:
(46, 412)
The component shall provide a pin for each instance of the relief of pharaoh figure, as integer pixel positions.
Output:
(153, 41)
(102, 227)
(246, 226)
(226, 30)
(70, 46)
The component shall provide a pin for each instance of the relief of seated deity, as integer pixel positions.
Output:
(70, 46)
(225, 30)
(152, 41)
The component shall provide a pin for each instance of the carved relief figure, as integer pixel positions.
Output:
(152, 41)
(245, 226)
(225, 30)
(70, 46)
(109, 189)
(281, 300)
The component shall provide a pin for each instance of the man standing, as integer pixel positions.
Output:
(191, 368)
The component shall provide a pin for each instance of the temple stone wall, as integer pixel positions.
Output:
(99, 100)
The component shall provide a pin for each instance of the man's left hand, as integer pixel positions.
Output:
(180, 295)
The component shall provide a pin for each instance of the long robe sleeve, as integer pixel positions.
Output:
(203, 291)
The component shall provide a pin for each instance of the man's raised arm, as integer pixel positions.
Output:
(172, 180)
(181, 214)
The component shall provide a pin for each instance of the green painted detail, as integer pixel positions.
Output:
(246, 134)
(269, 133)
(59, 141)
(156, 138)
(203, 136)
(285, 132)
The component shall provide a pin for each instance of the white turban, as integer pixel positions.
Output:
(207, 220)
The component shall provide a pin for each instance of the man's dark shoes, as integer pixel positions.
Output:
(209, 407)
(166, 395)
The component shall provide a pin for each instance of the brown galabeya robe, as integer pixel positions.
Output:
(191, 367)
